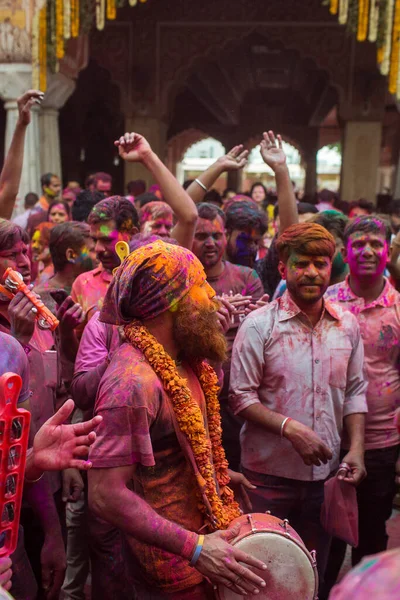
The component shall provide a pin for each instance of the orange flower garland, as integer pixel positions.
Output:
(208, 453)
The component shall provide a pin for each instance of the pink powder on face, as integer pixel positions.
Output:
(367, 255)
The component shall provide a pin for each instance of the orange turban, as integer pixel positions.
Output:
(150, 281)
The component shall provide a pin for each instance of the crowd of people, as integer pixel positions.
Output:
(232, 354)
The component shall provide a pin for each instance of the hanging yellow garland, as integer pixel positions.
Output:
(208, 453)
(74, 18)
(394, 58)
(362, 28)
(59, 29)
(343, 11)
(333, 7)
(43, 48)
(387, 47)
(111, 10)
(67, 19)
(100, 14)
(373, 21)
(35, 50)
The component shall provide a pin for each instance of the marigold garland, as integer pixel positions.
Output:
(343, 11)
(208, 453)
(362, 20)
(394, 58)
(379, 22)
(59, 20)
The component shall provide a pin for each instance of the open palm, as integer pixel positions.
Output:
(272, 151)
(133, 147)
(58, 446)
(235, 159)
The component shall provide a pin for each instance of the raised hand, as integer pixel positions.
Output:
(272, 151)
(25, 103)
(220, 562)
(133, 147)
(235, 159)
(57, 446)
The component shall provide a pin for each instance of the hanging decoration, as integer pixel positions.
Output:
(58, 21)
(377, 21)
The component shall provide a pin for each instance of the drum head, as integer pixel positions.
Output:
(290, 574)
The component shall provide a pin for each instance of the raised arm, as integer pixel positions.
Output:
(235, 160)
(133, 147)
(274, 156)
(11, 173)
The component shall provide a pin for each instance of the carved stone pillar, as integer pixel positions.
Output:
(15, 79)
(361, 156)
(59, 90)
(155, 131)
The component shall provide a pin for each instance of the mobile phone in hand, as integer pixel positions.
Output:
(59, 296)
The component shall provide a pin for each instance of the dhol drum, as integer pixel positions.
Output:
(292, 570)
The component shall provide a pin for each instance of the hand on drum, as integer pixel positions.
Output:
(307, 443)
(219, 562)
(239, 484)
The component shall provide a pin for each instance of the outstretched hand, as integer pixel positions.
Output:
(25, 103)
(133, 147)
(58, 446)
(235, 159)
(272, 150)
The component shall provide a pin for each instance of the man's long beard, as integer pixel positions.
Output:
(197, 332)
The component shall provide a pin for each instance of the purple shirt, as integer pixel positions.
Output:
(311, 374)
(14, 360)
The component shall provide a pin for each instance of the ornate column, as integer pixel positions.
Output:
(361, 156)
(155, 131)
(309, 141)
(15, 79)
(59, 90)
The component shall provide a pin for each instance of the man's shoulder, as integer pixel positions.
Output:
(9, 345)
(129, 369)
(241, 271)
(337, 292)
(84, 278)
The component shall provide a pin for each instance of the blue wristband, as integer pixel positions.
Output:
(198, 550)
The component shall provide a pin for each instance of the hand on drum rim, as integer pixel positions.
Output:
(219, 562)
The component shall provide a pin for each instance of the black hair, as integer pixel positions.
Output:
(213, 197)
(333, 222)
(71, 234)
(209, 211)
(45, 179)
(244, 215)
(11, 234)
(368, 224)
(118, 209)
(84, 203)
(145, 198)
(30, 200)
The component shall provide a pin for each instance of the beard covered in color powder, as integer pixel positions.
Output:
(197, 332)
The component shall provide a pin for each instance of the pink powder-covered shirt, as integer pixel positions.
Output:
(311, 374)
(379, 323)
(90, 288)
(99, 342)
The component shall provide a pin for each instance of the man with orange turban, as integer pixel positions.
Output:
(297, 380)
(161, 429)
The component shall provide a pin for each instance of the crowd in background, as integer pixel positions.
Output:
(64, 246)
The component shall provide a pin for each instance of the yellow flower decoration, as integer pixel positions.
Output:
(218, 506)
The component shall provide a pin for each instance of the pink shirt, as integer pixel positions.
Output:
(99, 341)
(90, 288)
(313, 375)
(380, 330)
